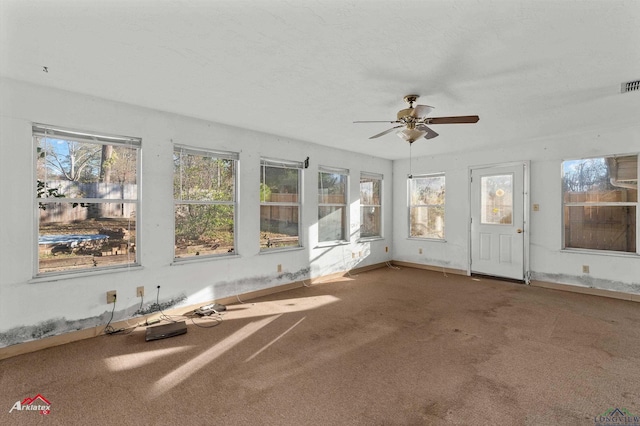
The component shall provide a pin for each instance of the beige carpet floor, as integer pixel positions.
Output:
(384, 347)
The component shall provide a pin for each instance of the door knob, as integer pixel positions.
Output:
(519, 231)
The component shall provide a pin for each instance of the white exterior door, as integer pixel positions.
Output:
(497, 221)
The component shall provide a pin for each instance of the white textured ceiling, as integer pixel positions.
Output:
(307, 69)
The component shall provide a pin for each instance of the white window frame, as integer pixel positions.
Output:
(224, 155)
(599, 204)
(411, 205)
(285, 164)
(379, 177)
(40, 130)
(345, 206)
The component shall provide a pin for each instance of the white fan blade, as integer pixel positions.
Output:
(421, 110)
(385, 132)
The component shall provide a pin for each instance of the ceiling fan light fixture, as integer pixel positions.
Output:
(411, 135)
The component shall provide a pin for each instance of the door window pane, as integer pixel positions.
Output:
(496, 199)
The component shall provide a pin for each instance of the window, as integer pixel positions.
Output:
(600, 203)
(204, 192)
(332, 204)
(87, 196)
(426, 206)
(370, 205)
(280, 183)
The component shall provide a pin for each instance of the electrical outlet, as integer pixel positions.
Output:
(353, 255)
(419, 251)
(111, 296)
(140, 291)
(585, 269)
(279, 267)
(386, 249)
(536, 207)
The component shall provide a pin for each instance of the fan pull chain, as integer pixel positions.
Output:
(410, 167)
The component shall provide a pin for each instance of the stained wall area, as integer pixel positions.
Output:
(32, 308)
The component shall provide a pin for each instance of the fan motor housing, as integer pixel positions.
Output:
(403, 113)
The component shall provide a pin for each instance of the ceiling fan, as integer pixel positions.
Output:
(414, 121)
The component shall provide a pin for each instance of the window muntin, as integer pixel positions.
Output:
(600, 203)
(204, 191)
(280, 204)
(427, 206)
(332, 204)
(370, 205)
(87, 196)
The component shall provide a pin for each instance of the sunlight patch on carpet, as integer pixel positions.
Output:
(139, 359)
(274, 340)
(190, 368)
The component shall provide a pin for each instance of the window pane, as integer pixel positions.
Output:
(427, 206)
(496, 199)
(279, 183)
(600, 227)
(427, 222)
(370, 191)
(85, 170)
(86, 236)
(370, 211)
(370, 221)
(332, 188)
(331, 223)
(603, 193)
(79, 235)
(606, 179)
(203, 229)
(278, 226)
(202, 178)
(427, 190)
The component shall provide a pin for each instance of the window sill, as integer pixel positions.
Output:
(600, 252)
(326, 244)
(196, 259)
(369, 239)
(280, 250)
(63, 276)
(434, 240)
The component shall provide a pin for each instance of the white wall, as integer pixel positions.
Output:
(35, 308)
(32, 308)
(547, 261)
